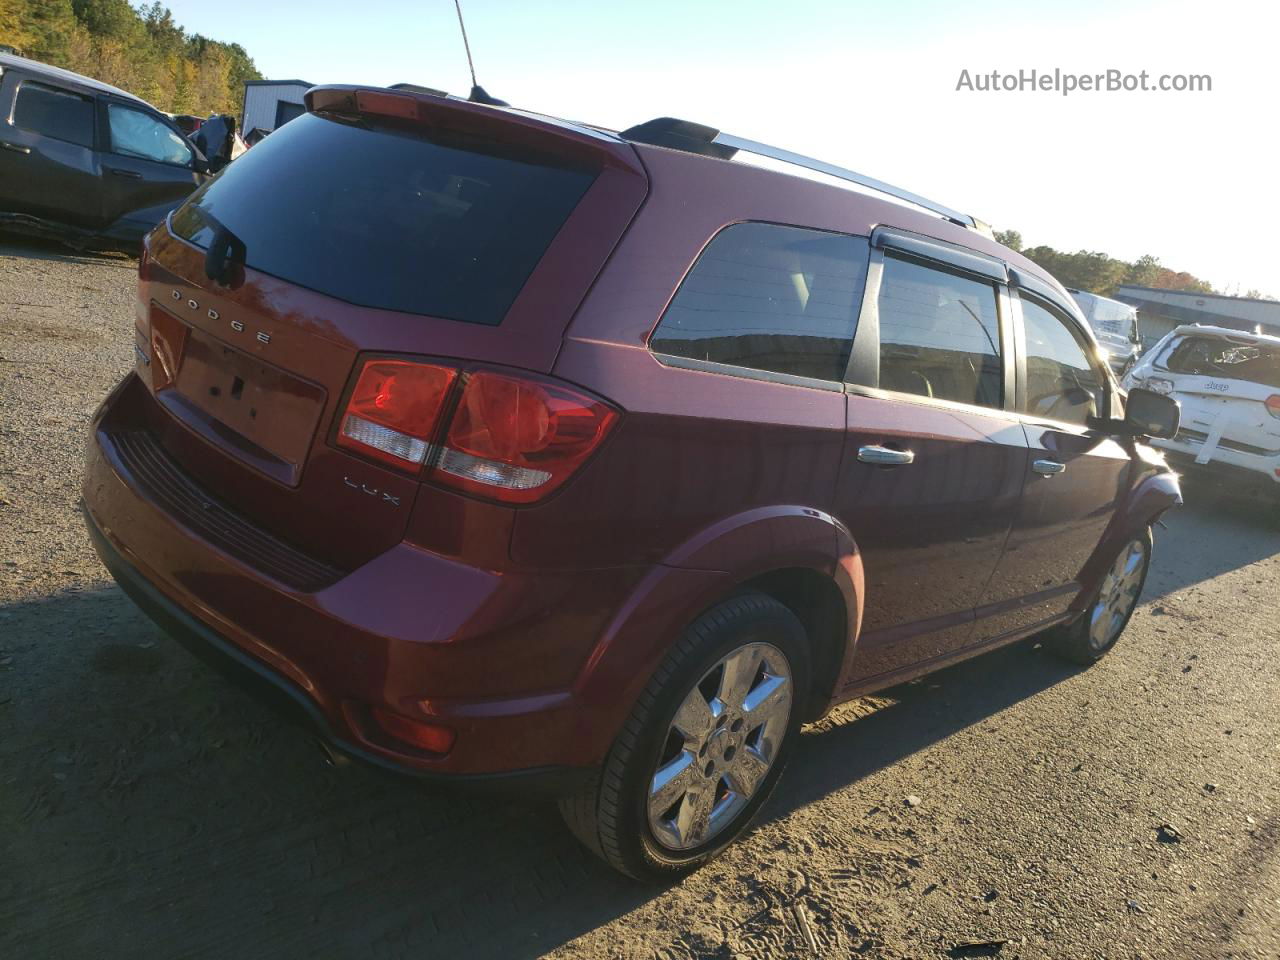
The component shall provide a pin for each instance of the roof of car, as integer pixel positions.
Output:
(1193, 329)
(9, 62)
(1077, 292)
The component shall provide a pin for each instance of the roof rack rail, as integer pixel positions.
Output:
(696, 138)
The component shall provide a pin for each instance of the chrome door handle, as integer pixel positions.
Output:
(15, 147)
(1048, 468)
(885, 456)
(127, 174)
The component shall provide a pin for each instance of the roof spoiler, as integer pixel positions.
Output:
(434, 110)
(692, 137)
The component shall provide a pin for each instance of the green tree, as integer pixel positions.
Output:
(1144, 271)
(1010, 238)
(49, 24)
(106, 18)
(15, 22)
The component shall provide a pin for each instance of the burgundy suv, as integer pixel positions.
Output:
(509, 448)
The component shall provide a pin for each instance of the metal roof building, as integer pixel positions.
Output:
(1159, 311)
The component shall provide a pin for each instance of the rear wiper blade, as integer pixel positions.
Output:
(226, 251)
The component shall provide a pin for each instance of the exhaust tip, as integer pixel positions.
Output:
(331, 756)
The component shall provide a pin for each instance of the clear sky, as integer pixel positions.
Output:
(1188, 177)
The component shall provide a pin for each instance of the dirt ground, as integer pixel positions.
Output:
(149, 809)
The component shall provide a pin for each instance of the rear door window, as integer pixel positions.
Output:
(390, 218)
(772, 298)
(1061, 382)
(939, 334)
(1215, 357)
(53, 112)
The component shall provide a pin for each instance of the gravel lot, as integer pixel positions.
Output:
(148, 809)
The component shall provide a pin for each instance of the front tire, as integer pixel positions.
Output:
(1088, 639)
(704, 745)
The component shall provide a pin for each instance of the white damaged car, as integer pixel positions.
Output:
(1228, 384)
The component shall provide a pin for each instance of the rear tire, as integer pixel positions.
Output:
(710, 734)
(1091, 635)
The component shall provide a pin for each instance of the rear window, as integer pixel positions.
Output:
(54, 113)
(1213, 357)
(769, 297)
(386, 218)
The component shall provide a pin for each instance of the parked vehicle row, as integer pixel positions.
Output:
(1114, 325)
(87, 163)
(508, 448)
(1227, 383)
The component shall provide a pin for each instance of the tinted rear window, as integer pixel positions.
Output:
(387, 218)
(768, 297)
(54, 113)
(1213, 357)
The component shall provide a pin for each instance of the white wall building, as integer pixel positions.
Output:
(271, 103)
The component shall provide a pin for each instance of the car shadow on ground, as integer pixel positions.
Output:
(36, 248)
(148, 802)
(1213, 533)
(147, 798)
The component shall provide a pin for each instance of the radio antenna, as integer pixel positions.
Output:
(478, 94)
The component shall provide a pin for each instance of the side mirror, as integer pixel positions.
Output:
(1151, 414)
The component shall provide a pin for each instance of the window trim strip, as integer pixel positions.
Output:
(953, 255)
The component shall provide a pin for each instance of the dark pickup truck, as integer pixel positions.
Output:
(84, 162)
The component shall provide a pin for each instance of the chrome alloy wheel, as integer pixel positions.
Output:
(1118, 595)
(721, 744)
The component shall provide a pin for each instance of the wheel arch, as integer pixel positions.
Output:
(803, 557)
(820, 606)
(1155, 492)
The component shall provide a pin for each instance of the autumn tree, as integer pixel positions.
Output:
(1099, 273)
(143, 51)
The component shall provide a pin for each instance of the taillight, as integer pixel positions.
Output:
(1273, 405)
(395, 409)
(508, 437)
(517, 439)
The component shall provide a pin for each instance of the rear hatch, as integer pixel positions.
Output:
(377, 223)
(1229, 390)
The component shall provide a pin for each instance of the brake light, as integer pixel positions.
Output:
(517, 439)
(1273, 405)
(509, 437)
(395, 410)
(387, 104)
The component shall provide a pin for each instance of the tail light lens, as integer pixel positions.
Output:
(1273, 405)
(507, 437)
(395, 409)
(518, 439)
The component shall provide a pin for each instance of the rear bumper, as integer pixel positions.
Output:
(1242, 471)
(493, 656)
(289, 701)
